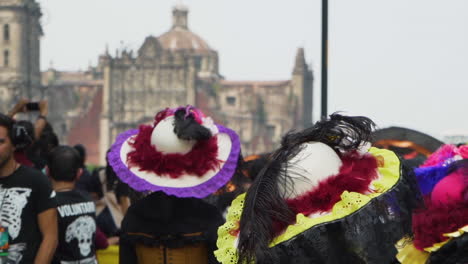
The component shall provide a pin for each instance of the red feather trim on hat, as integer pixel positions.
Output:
(356, 175)
(431, 223)
(200, 160)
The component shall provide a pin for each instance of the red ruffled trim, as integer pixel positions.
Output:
(356, 175)
(162, 115)
(201, 159)
(430, 224)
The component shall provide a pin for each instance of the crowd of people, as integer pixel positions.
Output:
(178, 190)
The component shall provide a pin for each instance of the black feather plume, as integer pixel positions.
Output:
(265, 207)
(185, 127)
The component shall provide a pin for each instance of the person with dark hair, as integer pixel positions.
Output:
(113, 202)
(42, 147)
(42, 109)
(87, 182)
(77, 224)
(82, 153)
(27, 205)
(24, 153)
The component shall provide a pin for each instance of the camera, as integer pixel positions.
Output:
(33, 106)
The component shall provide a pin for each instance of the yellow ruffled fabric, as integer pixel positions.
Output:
(408, 254)
(227, 241)
(350, 202)
(450, 236)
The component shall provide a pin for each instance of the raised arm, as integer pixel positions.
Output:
(41, 121)
(18, 108)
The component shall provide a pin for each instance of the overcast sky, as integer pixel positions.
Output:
(400, 62)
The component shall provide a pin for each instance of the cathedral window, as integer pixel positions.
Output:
(198, 62)
(231, 100)
(6, 58)
(270, 130)
(6, 32)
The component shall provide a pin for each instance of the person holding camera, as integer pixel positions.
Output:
(24, 106)
(28, 216)
(24, 154)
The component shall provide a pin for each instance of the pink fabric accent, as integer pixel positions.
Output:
(449, 190)
(463, 150)
(442, 154)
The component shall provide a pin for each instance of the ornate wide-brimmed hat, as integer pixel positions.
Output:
(184, 153)
(322, 191)
(440, 223)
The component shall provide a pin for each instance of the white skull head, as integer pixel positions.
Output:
(82, 229)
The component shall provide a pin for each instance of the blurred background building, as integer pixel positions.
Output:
(128, 87)
(20, 32)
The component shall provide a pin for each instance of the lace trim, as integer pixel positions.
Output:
(227, 233)
(389, 169)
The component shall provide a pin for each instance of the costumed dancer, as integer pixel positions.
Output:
(178, 160)
(440, 226)
(323, 197)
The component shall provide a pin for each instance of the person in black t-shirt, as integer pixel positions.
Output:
(27, 204)
(76, 210)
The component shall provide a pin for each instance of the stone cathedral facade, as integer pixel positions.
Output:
(180, 68)
(20, 32)
(128, 87)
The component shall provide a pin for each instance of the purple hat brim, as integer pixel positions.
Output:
(198, 191)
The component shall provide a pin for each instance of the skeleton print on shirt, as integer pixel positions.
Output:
(24, 195)
(13, 202)
(82, 229)
(14, 253)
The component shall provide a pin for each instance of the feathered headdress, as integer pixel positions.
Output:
(183, 153)
(265, 206)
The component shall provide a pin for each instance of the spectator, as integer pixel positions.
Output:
(76, 211)
(174, 224)
(41, 122)
(43, 146)
(87, 182)
(27, 206)
(108, 212)
(24, 153)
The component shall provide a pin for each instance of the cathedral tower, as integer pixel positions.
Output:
(302, 80)
(20, 32)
